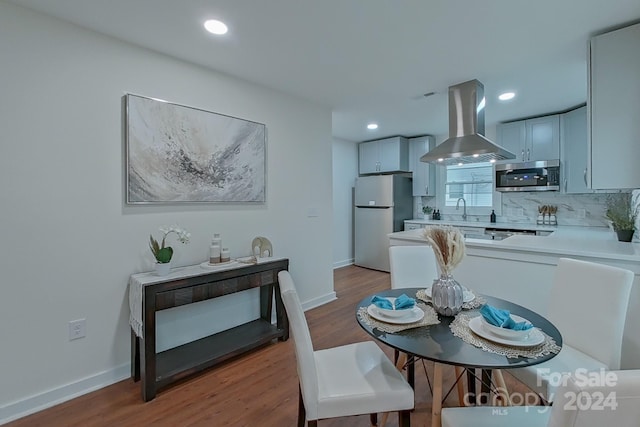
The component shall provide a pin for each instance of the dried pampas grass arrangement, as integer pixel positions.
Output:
(448, 246)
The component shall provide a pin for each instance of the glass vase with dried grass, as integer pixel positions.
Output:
(449, 249)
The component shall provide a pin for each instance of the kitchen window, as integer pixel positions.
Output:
(473, 182)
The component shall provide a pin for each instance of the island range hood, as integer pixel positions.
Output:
(466, 143)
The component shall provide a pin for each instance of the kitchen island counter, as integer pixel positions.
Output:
(591, 242)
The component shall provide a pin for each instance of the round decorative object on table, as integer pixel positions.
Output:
(447, 295)
(162, 268)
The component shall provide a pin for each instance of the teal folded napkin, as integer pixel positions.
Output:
(403, 302)
(382, 302)
(502, 318)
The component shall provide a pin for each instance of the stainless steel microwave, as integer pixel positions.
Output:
(528, 176)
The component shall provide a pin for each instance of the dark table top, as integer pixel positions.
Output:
(437, 342)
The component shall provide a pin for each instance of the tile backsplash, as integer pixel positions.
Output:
(573, 209)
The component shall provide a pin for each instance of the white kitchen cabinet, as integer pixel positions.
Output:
(512, 137)
(531, 139)
(470, 231)
(424, 178)
(413, 225)
(614, 103)
(573, 151)
(384, 155)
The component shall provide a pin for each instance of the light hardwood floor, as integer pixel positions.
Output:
(258, 389)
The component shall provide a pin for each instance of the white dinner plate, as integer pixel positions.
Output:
(413, 315)
(535, 337)
(467, 295)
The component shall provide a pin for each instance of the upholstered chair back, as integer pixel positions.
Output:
(305, 360)
(412, 266)
(588, 305)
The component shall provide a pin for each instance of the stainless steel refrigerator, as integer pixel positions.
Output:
(382, 204)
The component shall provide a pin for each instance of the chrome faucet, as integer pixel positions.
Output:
(464, 207)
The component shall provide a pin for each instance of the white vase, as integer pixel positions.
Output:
(162, 269)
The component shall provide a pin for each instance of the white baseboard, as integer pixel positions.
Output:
(343, 263)
(30, 405)
(317, 302)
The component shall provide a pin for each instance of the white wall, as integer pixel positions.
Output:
(69, 243)
(345, 171)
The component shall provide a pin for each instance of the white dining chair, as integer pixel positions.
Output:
(412, 266)
(609, 399)
(588, 305)
(342, 381)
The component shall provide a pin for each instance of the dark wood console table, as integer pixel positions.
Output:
(188, 285)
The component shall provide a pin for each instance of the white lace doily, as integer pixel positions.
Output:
(477, 302)
(430, 318)
(460, 328)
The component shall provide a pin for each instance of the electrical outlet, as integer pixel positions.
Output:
(77, 329)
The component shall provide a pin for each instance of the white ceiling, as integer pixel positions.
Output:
(371, 60)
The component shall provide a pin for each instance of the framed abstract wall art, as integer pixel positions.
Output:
(180, 154)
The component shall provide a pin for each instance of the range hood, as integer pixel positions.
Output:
(466, 143)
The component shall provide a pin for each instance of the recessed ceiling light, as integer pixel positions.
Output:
(476, 155)
(460, 164)
(215, 27)
(492, 161)
(372, 126)
(506, 96)
(441, 159)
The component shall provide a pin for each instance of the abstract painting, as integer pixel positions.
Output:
(176, 153)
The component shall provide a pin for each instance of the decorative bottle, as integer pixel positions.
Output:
(215, 250)
(493, 216)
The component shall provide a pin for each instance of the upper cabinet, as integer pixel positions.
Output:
(512, 137)
(573, 151)
(384, 155)
(423, 173)
(532, 139)
(614, 103)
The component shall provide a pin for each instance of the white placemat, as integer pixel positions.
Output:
(460, 328)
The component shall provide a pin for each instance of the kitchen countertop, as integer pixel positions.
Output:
(480, 224)
(592, 242)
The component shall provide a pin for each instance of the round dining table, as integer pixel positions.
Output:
(438, 344)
